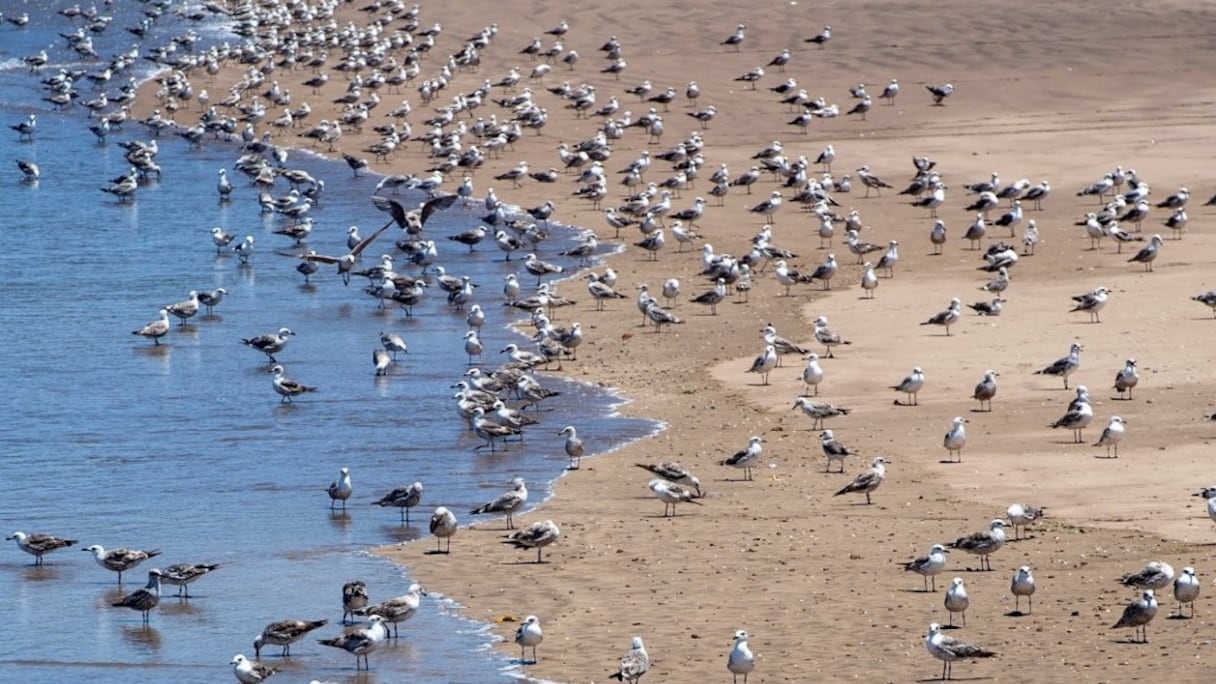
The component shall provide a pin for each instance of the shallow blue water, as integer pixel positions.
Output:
(184, 446)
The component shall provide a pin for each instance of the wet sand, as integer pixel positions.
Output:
(1047, 90)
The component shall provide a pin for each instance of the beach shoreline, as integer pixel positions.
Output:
(810, 576)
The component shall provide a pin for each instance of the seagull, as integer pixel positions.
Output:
(1021, 585)
(354, 598)
(889, 259)
(404, 498)
(284, 633)
(38, 545)
(818, 412)
(671, 494)
(911, 386)
(143, 600)
(340, 489)
(712, 297)
(1186, 590)
(633, 665)
(1077, 418)
(1148, 254)
(574, 446)
(212, 298)
(826, 157)
(735, 39)
(184, 310)
(867, 481)
(956, 439)
(271, 343)
(529, 634)
(869, 281)
(1208, 298)
(29, 169)
(1021, 515)
(827, 337)
(537, 536)
(834, 450)
(248, 672)
(940, 92)
(156, 329)
(870, 180)
(769, 206)
(948, 649)
(989, 308)
(397, 609)
(361, 642)
(182, 574)
(1137, 614)
(286, 387)
(985, 390)
(929, 566)
(765, 363)
(821, 38)
(890, 91)
(948, 317)
(119, 560)
(752, 76)
(673, 472)
(1112, 435)
(1155, 575)
(507, 503)
(1092, 303)
(781, 59)
(983, 544)
(1065, 366)
(740, 661)
(957, 600)
(443, 525)
(747, 458)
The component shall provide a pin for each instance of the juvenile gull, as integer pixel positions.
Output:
(940, 92)
(156, 329)
(212, 298)
(1137, 614)
(1111, 436)
(340, 489)
(746, 459)
(529, 634)
(397, 609)
(38, 545)
(536, 536)
(818, 412)
(507, 503)
(633, 664)
(248, 672)
(956, 439)
(1208, 298)
(1155, 575)
(354, 598)
(673, 472)
(360, 642)
(990, 308)
(404, 498)
(740, 661)
(911, 386)
(1064, 366)
(286, 387)
(948, 317)
(1021, 585)
(948, 649)
(119, 560)
(868, 481)
(1092, 303)
(1022, 515)
(671, 494)
(983, 544)
(985, 389)
(143, 600)
(826, 336)
(929, 566)
(443, 526)
(957, 601)
(182, 575)
(1186, 590)
(284, 633)
(1148, 254)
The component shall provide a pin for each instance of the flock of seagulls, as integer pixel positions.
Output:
(480, 399)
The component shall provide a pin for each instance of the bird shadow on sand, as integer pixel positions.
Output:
(956, 679)
(952, 626)
(1016, 614)
(1179, 616)
(948, 461)
(435, 552)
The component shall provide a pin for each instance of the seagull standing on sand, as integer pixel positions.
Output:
(867, 481)
(1077, 418)
(443, 526)
(818, 412)
(948, 649)
(1111, 436)
(1127, 379)
(821, 38)
(1148, 254)
(827, 337)
(948, 317)
(869, 281)
(985, 390)
(957, 600)
(956, 439)
(529, 634)
(1137, 614)
(929, 566)
(911, 386)
(1022, 515)
(1155, 575)
(536, 536)
(735, 39)
(1021, 585)
(1186, 590)
(671, 494)
(983, 544)
(507, 503)
(1065, 366)
(765, 362)
(633, 664)
(834, 450)
(747, 458)
(740, 661)
(1092, 303)
(940, 92)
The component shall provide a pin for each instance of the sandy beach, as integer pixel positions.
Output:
(1043, 91)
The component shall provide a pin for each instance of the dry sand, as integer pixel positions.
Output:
(1062, 91)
